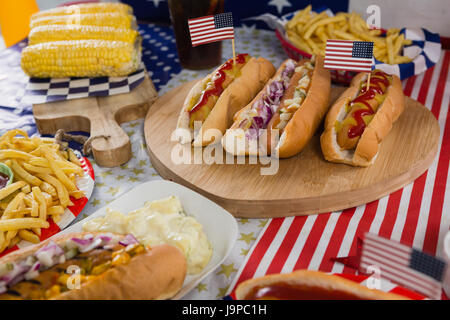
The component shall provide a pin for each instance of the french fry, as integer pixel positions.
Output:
(390, 49)
(13, 242)
(402, 59)
(37, 169)
(55, 210)
(22, 173)
(22, 223)
(26, 189)
(36, 231)
(2, 241)
(13, 187)
(48, 198)
(22, 211)
(48, 188)
(73, 158)
(12, 206)
(34, 208)
(77, 194)
(15, 154)
(344, 35)
(63, 194)
(311, 29)
(28, 236)
(42, 202)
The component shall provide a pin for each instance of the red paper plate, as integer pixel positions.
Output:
(84, 183)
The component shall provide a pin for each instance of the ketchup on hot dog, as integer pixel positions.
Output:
(362, 110)
(214, 89)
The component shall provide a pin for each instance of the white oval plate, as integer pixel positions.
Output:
(219, 225)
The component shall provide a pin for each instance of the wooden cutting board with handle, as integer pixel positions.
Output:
(101, 117)
(303, 184)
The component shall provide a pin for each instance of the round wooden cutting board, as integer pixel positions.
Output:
(304, 184)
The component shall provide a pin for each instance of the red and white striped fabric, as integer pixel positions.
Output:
(417, 215)
(85, 184)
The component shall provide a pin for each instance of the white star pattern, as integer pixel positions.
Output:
(156, 2)
(280, 4)
(248, 28)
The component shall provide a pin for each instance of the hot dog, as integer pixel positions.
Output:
(308, 285)
(92, 266)
(213, 101)
(284, 116)
(361, 118)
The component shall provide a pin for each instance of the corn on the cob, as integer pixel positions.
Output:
(81, 58)
(83, 9)
(73, 32)
(110, 19)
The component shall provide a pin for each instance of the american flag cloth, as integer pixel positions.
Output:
(349, 55)
(404, 265)
(211, 28)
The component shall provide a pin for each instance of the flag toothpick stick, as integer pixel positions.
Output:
(234, 52)
(368, 81)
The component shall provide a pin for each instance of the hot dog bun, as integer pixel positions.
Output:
(308, 285)
(154, 275)
(308, 117)
(368, 145)
(300, 127)
(253, 75)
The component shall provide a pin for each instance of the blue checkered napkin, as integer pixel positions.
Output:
(57, 89)
(425, 51)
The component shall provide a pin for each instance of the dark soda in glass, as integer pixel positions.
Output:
(204, 56)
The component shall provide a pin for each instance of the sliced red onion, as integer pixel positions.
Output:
(15, 275)
(105, 239)
(129, 239)
(50, 254)
(289, 69)
(81, 242)
(85, 245)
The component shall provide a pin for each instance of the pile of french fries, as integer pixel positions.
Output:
(309, 32)
(44, 180)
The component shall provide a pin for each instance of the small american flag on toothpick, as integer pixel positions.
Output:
(404, 265)
(349, 55)
(211, 28)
